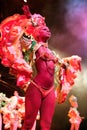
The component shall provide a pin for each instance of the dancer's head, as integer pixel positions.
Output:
(73, 101)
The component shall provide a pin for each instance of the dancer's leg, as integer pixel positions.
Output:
(32, 104)
(47, 111)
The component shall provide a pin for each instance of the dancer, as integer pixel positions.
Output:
(73, 114)
(40, 93)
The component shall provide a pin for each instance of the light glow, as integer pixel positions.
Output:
(25, 1)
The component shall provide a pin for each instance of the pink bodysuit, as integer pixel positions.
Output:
(40, 93)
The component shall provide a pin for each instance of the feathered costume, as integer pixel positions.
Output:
(23, 44)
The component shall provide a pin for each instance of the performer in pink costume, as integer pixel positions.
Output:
(40, 93)
(75, 118)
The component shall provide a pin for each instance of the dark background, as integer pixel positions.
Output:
(67, 20)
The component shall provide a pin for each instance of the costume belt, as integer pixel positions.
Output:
(44, 92)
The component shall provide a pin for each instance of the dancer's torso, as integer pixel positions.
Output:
(45, 72)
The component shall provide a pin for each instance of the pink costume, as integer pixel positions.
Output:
(73, 114)
(36, 98)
